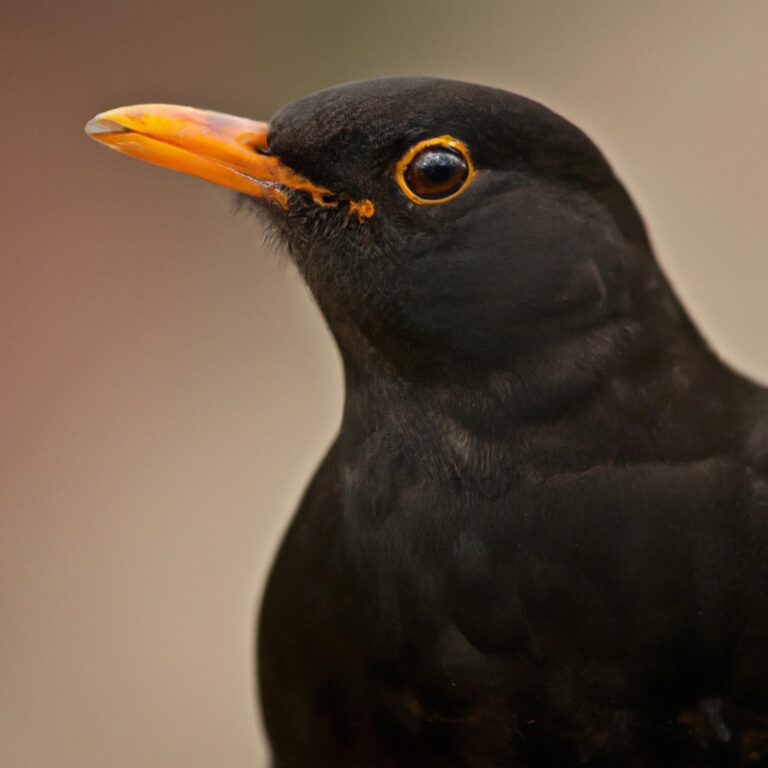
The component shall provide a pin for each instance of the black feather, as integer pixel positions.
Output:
(541, 536)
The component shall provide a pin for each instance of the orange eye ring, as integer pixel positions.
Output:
(453, 146)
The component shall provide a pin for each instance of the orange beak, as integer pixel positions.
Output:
(226, 150)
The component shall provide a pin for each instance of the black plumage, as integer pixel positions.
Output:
(541, 536)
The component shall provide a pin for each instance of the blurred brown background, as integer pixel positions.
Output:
(167, 386)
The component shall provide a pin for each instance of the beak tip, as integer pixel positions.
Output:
(100, 125)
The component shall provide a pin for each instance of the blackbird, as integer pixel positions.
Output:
(541, 535)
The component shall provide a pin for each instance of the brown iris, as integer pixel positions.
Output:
(435, 170)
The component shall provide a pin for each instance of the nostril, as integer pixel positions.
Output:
(257, 142)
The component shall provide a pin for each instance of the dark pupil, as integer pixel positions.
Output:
(436, 173)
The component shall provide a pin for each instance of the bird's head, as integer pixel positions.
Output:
(432, 219)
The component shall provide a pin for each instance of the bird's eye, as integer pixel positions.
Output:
(435, 170)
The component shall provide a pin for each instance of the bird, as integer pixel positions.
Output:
(540, 537)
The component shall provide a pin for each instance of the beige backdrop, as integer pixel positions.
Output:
(167, 386)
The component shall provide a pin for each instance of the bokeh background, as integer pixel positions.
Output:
(167, 385)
